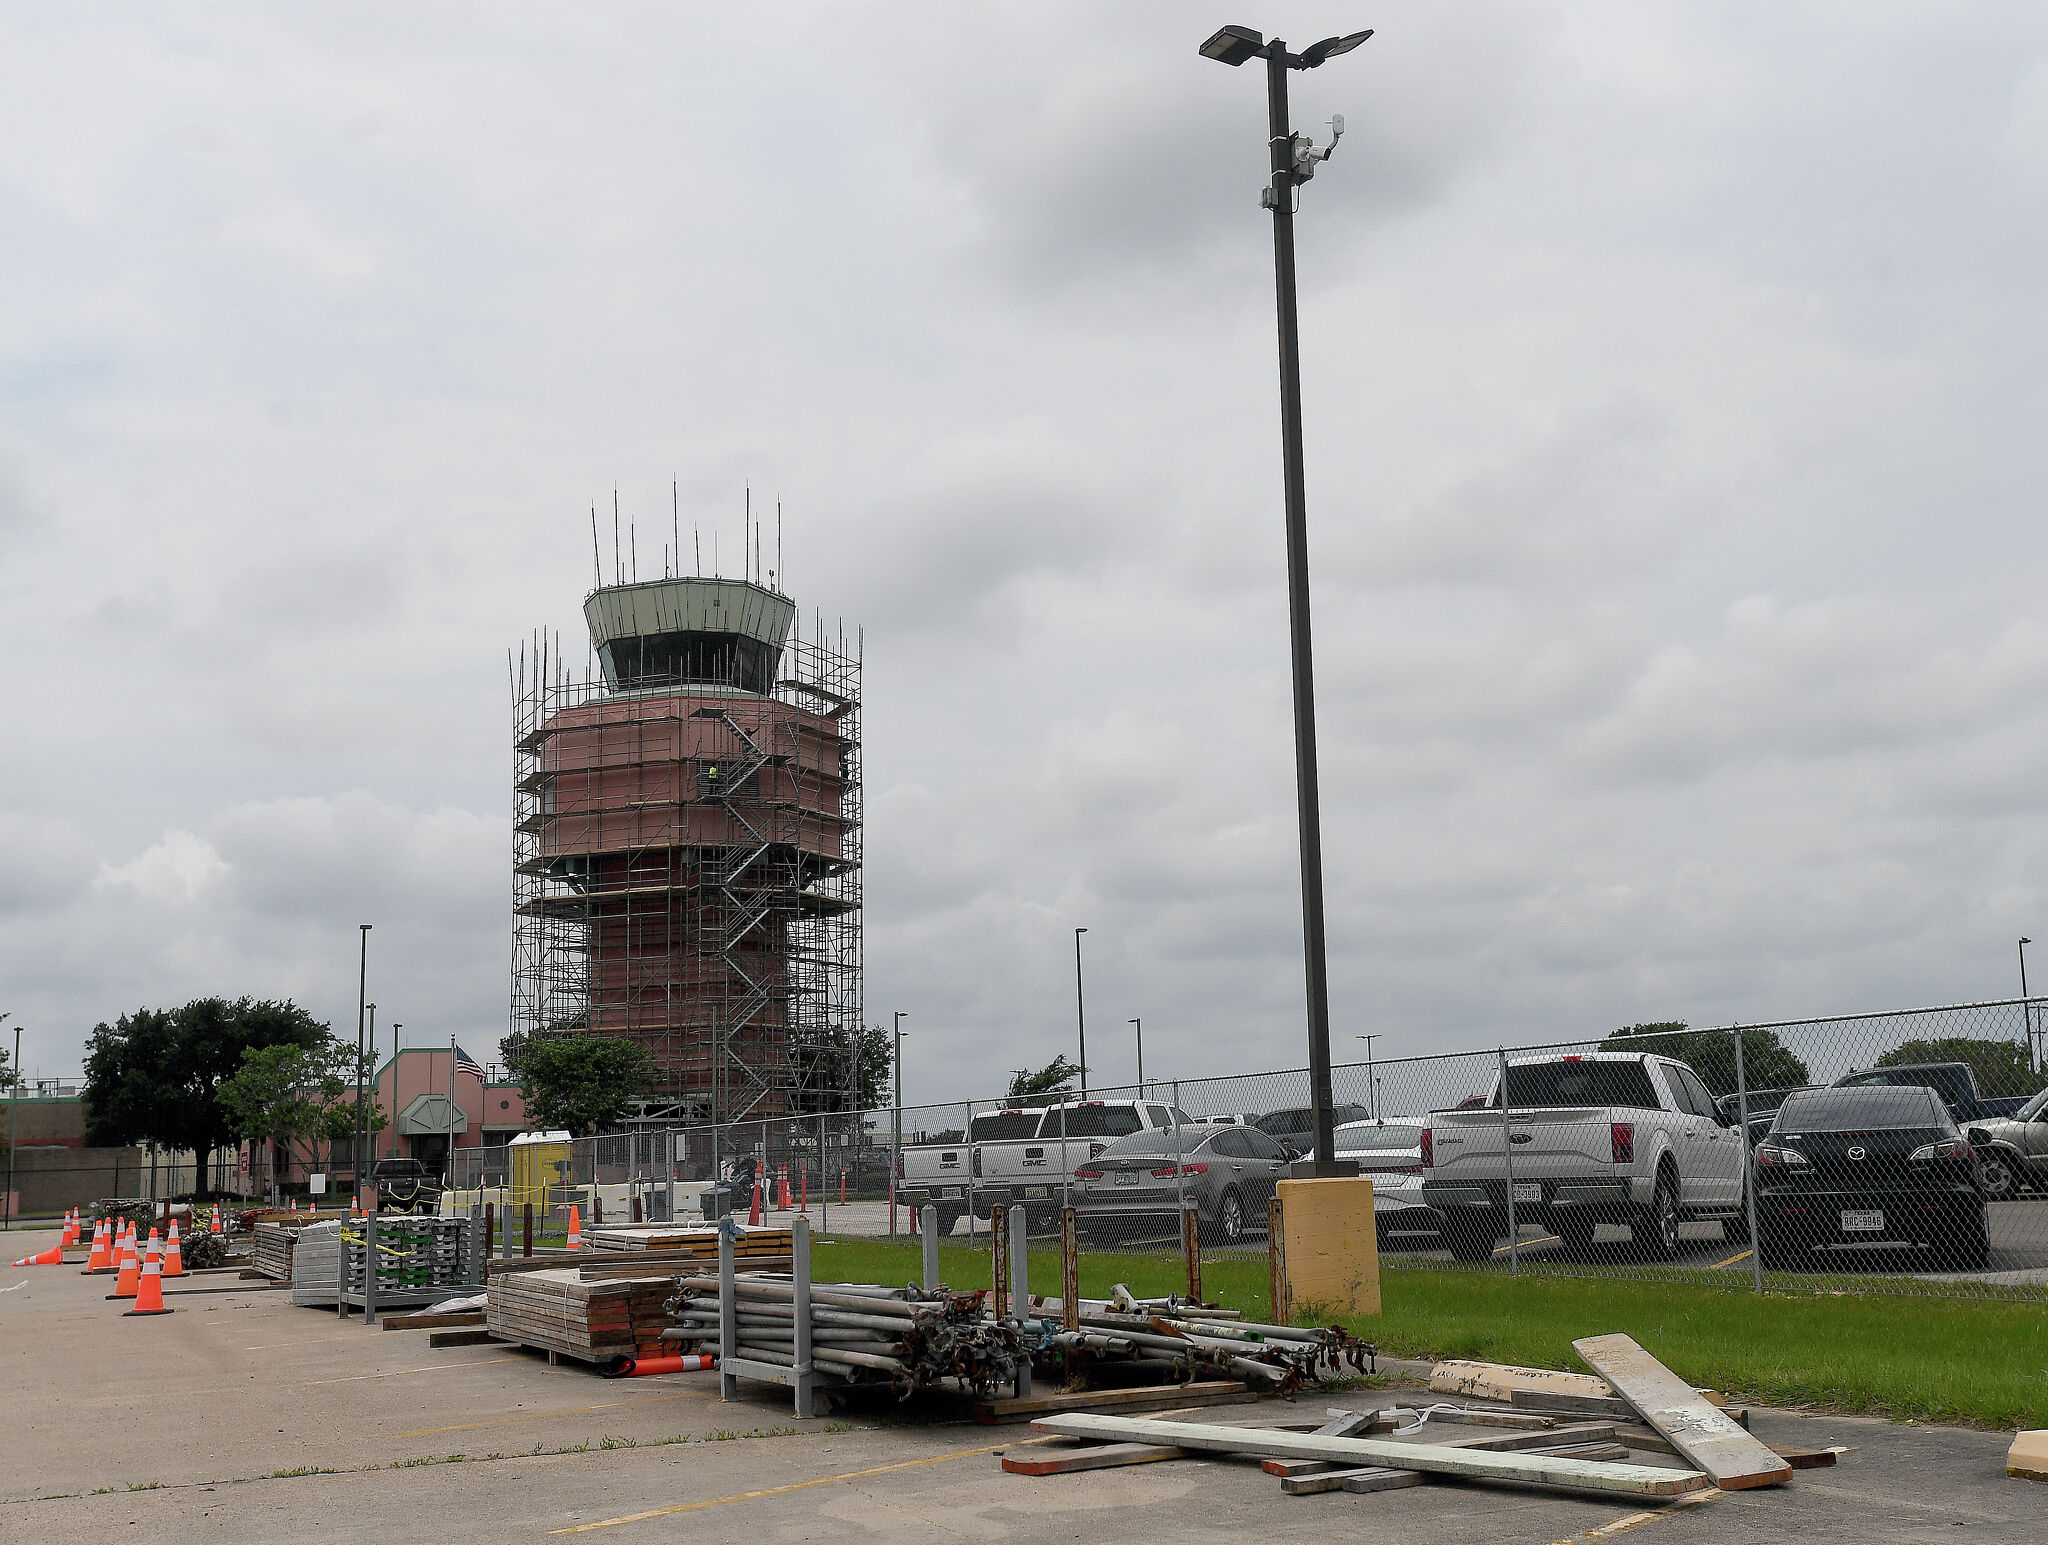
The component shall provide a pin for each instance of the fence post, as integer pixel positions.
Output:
(1180, 1187)
(1507, 1148)
(824, 1189)
(527, 1221)
(370, 1269)
(1070, 1269)
(931, 1247)
(668, 1165)
(1756, 1251)
(999, 1262)
(1276, 1258)
(1191, 1251)
(1020, 1271)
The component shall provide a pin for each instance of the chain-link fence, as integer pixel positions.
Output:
(1900, 1152)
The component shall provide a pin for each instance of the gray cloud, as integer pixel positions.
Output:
(1672, 398)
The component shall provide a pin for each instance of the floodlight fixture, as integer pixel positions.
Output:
(1233, 45)
(1329, 48)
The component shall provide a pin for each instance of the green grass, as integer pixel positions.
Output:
(1924, 1359)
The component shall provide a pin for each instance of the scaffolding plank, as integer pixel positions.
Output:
(1587, 1475)
(1701, 1432)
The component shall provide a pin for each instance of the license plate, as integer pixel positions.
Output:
(1528, 1190)
(1126, 1177)
(950, 1193)
(1035, 1193)
(1863, 1221)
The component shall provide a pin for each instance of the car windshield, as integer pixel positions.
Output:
(1365, 1136)
(1091, 1121)
(1862, 1109)
(1579, 1082)
(999, 1125)
(1150, 1145)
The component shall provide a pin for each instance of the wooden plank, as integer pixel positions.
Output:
(1597, 1476)
(1288, 1468)
(1342, 1424)
(1652, 1442)
(1091, 1456)
(1500, 1381)
(1702, 1433)
(1369, 1478)
(430, 1321)
(437, 1339)
(1142, 1398)
(1536, 1402)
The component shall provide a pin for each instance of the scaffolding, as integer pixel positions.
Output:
(687, 868)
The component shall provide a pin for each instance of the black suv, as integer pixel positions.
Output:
(405, 1185)
(1875, 1165)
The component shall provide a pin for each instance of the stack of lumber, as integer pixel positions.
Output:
(555, 1310)
(313, 1264)
(274, 1250)
(690, 1242)
(1595, 1444)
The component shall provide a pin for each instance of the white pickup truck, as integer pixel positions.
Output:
(1601, 1137)
(1021, 1156)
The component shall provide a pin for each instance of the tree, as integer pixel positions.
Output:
(155, 1075)
(1045, 1087)
(578, 1083)
(292, 1093)
(1767, 1063)
(2001, 1068)
(822, 1070)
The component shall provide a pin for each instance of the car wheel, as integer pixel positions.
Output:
(1996, 1177)
(1470, 1239)
(1228, 1226)
(948, 1216)
(1656, 1227)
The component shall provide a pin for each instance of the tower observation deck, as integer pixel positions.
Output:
(687, 846)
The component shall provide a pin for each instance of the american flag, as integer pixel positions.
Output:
(465, 1063)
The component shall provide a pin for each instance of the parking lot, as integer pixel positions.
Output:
(239, 1418)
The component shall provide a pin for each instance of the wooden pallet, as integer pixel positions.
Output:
(558, 1312)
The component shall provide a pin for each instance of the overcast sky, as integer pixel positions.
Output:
(1674, 382)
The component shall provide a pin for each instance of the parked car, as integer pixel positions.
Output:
(1019, 1156)
(1762, 1102)
(1389, 1151)
(1955, 1082)
(1137, 1185)
(1295, 1127)
(2012, 1151)
(405, 1185)
(1599, 1137)
(1852, 1167)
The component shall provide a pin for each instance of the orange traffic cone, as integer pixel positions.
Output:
(754, 1212)
(782, 1188)
(575, 1228)
(131, 1272)
(70, 1237)
(174, 1255)
(215, 1228)
(54, 1256)
(295, 1206)
(149, 1294)
(99, 1260)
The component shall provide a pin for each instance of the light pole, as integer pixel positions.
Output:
(1294, 160)
(13, 1099)
(373, 1063)
(895, 1125)
(1080, 1012)
(2026, 1008)
(1372, 1085)
(362, 1121)
(1139, 1026)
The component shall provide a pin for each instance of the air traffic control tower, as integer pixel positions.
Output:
(688, 844)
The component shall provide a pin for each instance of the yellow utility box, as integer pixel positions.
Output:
(1330, 1253)
(540, 1168)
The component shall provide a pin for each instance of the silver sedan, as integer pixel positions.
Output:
(1134, 1189)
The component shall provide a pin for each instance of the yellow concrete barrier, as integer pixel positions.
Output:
(1331, 1250)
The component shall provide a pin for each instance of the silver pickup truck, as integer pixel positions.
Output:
(1600, 1137)
(1021, 1156)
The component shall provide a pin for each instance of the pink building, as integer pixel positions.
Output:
(430, 1106)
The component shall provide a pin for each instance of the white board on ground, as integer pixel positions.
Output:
(1735, 1460)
